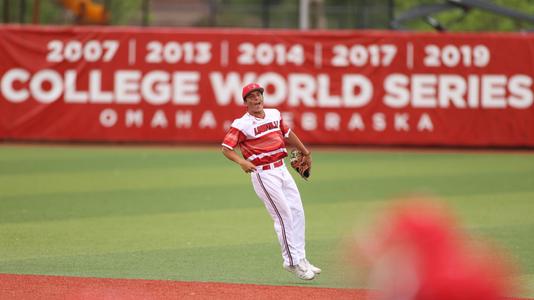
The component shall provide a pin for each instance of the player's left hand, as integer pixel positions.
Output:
(306, 160)
(301, 163)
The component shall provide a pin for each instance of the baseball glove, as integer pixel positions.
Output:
(300, 164)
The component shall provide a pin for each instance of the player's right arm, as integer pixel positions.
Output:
(232, 139)
(246, 165)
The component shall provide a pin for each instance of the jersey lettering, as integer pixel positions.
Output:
(266, 127)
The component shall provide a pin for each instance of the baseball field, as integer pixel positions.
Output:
(177, 214)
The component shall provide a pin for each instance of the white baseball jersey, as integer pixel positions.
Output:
(262, 142)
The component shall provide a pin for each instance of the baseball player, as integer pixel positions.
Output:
(261, 134)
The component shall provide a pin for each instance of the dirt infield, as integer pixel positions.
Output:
(22, 287)
(61, 287)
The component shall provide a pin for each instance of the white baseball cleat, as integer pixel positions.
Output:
(312, 267)
(301, 270)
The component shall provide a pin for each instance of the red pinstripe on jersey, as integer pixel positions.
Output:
(261, 140)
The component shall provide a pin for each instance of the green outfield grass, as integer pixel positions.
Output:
(190, 214)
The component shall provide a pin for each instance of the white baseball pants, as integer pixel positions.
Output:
(278, 191)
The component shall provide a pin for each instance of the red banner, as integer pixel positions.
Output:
(333, 87)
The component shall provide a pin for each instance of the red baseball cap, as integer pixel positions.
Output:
(251, 87)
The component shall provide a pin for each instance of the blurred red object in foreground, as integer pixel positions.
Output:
(419, 253)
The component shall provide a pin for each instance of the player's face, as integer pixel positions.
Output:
(254, 102)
